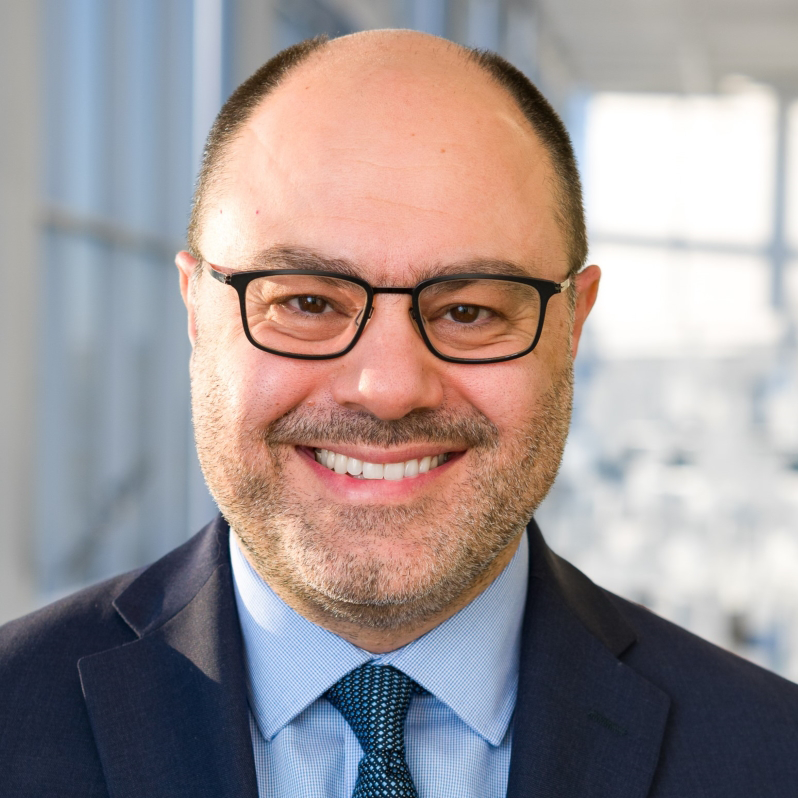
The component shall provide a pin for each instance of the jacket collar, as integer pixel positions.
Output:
(170, 717)
(169, 710)
(585, 723)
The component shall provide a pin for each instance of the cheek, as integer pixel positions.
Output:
(261, 388)
(507, 393)
(249, 387)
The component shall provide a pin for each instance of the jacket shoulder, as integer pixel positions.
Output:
(45, 734)
(728, 716)
(692, 671)
(731, 727)
(79, 624)
(684, 662)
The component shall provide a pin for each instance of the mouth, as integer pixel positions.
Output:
(361, 469)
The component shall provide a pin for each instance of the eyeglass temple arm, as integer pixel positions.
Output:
(217, 275)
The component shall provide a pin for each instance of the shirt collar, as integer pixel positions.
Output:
(469, 662)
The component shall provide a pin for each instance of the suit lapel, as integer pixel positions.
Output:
(585, 724)
(169, 710)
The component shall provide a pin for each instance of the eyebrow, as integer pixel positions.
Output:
(285, 257)
(301, 258)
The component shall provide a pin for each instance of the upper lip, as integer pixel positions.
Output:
(375, 455)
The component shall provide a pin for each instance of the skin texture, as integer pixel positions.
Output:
(389, 150)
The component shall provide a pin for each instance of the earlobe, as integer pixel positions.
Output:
(186, 266)
(587, 285)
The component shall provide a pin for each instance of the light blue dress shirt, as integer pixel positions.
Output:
(458, 736)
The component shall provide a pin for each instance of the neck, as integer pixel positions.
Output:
(382, 640)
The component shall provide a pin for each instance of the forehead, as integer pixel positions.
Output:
(397, 160)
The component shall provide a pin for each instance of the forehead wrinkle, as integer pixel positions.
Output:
(408, 167)
(290, 257)
(442, 212)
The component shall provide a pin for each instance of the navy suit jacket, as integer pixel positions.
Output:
(136, 687)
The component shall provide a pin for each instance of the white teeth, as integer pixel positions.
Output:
(394, 471)
(342, 464)
(354, 466)
(373, 470)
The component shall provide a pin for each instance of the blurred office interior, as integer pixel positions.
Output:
(679, 487)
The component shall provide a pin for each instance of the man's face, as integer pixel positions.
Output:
(405, 166)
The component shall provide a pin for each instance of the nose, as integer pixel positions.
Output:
(390, 372)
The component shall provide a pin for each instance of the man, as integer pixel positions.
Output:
(385, 294)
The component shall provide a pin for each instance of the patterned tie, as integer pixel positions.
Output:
(374, 700)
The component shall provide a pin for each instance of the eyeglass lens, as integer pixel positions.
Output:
(477, 319)
(317, 315)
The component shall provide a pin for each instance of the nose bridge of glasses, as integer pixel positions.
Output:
(392, 290)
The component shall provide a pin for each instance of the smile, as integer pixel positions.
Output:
(360, 469)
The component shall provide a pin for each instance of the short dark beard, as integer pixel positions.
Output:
(314, 553)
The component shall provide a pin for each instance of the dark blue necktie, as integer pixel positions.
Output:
(374, 700)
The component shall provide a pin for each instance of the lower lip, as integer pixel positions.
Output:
(349, 487)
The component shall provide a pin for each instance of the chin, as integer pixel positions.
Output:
(379, 596)
(369, 577)
(378, 583)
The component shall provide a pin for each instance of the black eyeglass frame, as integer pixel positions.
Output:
(240, 280)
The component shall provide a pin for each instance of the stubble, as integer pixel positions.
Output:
(333, 558)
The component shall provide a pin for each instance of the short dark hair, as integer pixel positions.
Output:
(235, 113)
(548, 126)
(543, 119)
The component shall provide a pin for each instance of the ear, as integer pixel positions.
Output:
(586, 284)
(186, 265)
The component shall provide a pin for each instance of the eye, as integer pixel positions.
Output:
(466, 314)
(309, 304)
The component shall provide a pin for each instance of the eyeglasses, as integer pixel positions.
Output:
(462, 318)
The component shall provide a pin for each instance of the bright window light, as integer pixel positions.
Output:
(792, 176)
(659, 302)
(692, 168)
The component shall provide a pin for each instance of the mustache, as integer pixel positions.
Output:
(303, 425)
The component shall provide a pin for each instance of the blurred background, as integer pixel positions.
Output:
(679, 487)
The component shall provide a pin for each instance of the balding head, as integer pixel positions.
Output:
(402, 162)
(378, 81)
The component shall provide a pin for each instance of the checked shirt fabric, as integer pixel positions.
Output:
(374, 700)
(458, 735)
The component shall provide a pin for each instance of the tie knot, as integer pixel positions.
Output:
(374, 700)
